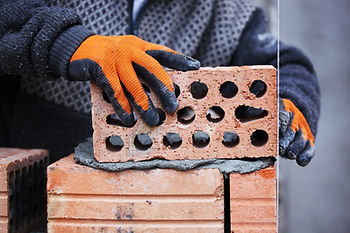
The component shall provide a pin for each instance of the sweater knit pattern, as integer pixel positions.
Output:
(207, 30)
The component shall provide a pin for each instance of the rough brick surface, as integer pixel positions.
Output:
(243, 77)
(253, 202)
(22, 188)
(83, 199)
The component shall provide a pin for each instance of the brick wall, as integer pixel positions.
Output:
(213, 101)
(83, 199)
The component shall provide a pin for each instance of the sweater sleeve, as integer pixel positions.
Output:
(37, 40)
(297, 78)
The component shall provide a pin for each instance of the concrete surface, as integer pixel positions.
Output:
(316, 198)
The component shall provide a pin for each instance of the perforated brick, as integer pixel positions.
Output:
(22, 189)
(256, 137)
(253, 202)
(83, 199)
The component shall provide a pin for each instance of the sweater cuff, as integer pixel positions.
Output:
(63, 48)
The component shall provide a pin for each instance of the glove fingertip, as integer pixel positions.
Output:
(129, 121)
(175, 61)
(305, 157)
(303, 160)
(124, 119)
(282, 150)
(192, 64)
(291, 155)
(171, 106)
(151, 117)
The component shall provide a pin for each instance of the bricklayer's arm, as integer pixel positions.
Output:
(298, 81)
(37, 40)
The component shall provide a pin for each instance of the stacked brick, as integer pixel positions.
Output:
(253, 201)
(213, 103)
(22, 189)
(83, 199)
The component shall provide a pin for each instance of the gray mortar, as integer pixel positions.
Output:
(84, 156)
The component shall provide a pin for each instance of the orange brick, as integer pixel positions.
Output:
(83, 199)
(243, 77)
(22, 188)
(253, 202)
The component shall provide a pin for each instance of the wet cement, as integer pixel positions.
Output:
(84, 156)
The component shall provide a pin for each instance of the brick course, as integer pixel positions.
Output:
(83, 199)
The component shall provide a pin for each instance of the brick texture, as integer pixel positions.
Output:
(22, 188)
(83, 199)
(253, 202)
(243, 77)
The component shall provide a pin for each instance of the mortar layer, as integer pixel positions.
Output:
(84, 155)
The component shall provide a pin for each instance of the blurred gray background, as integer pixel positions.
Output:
(317, 198)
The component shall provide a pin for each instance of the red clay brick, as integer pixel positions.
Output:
(83, 199)
(253, 201)
(20, 193)
(243, 77)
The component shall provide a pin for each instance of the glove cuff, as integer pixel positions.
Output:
(63, 48)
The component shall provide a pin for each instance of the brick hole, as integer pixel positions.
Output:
(259, 137)
(105, 97)
(198, 90)
(161, 115)
(176, 90)
(41, 165)
(35, 177)
(112, 119)
(17, 211)
(42, 185)
(30, 181)
(12, 202)
(17, 177)
(36, 212)
(258, 88)
(200, 139)
(24, 197)
(215, 114)
(228, 89)
(143, 141)
(172, 140)
(114, 143)
(18, 201)
(30, 195)
(247, 113)
(11, 226)
(230, 139)
(186, 115)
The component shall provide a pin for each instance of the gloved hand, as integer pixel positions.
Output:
(296, 140)
(115, 62)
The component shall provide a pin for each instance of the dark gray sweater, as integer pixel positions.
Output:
(36, 42)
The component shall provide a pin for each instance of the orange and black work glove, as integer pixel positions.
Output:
(115, 63)
(296, 140)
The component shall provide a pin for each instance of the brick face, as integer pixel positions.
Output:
(22, 188)
(82, 199)
(253, 201)
(243, 77)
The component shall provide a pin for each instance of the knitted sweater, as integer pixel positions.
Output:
(37, 41)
